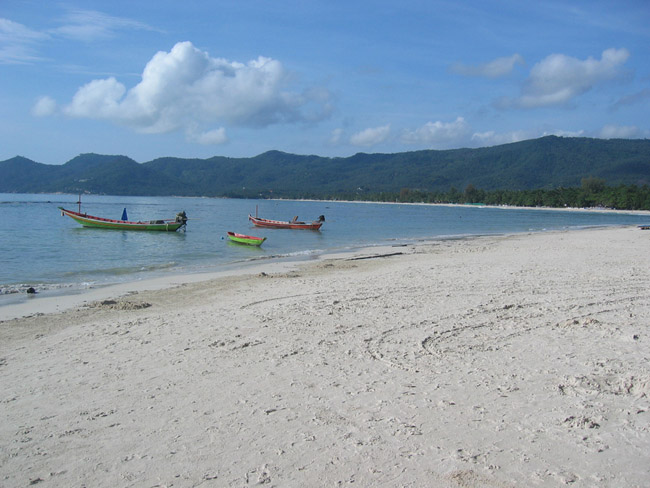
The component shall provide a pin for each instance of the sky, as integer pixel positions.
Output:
(236, 78)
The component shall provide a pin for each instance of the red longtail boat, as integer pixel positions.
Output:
(290, 224)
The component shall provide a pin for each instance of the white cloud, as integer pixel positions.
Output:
(186, 88)
(336, 136)
(447, 135)
(98, 99)
(563, 133)
(619, 132)
(44, 107)
(558, 79)
(211, 137)
(90, 25)
(442, 134)
(496, 68)
(13, 31)
(17, 43)
(370, 136)
(491, 138)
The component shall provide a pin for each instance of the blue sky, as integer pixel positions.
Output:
(236, 78)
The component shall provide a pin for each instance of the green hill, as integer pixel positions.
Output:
(545, 163)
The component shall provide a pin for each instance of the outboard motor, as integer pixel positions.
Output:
(182, 217)
(321, 218)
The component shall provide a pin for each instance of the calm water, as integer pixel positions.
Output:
(39, 248)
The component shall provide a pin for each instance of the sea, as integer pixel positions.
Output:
(41, 249)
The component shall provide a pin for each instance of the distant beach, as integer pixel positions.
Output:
(492, 361)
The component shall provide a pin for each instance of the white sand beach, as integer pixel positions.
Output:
(488, 362)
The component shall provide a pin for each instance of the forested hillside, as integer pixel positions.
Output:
(541, 164)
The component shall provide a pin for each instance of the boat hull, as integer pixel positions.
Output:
(244, 239)
(279, 224)
(102, 223)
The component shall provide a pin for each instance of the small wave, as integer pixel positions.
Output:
(266, 257)
(159, 266)
(21, 288)
(121, 270)
(306, 252)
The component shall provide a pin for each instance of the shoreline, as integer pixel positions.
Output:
(62, 299)
(496, 361)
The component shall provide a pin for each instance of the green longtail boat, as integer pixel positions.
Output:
(244, 239)
(169, 225)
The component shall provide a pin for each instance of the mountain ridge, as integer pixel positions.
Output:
(545, 163)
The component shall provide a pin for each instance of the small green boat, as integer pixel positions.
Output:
(169, 225)
(244, 239)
